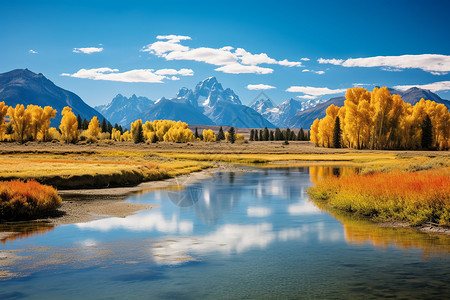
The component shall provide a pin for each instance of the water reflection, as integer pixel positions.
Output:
(317, 173)
(21, 230)
(359, 232)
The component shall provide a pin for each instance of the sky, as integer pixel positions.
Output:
(288, 49)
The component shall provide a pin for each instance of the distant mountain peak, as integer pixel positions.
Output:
(22, 86)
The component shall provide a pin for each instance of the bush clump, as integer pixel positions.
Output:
(26, 200)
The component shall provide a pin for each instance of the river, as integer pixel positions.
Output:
(252, 235)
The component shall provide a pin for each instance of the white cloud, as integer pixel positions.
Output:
(332, 61)
(240, 69)
(218, 57)
(258, 212)
(182, 72)
(312, 71)
(436, 64)
(314, 91)
(139, 75)
(434, 87)
(31, 51)
(307, 97)
(258, 87)
(305, 59)
(363, 84)
(87, 50)
(173, 37)
(230, 60)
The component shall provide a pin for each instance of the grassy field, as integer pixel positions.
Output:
(123, 163)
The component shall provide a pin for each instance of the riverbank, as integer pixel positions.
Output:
(418, 199)
(83, 205)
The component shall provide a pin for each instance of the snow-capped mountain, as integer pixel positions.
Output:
(123, 110)
(281, 114)
(208, 104)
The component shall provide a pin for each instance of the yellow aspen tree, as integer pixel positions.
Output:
(356, 104)
(208, 135)
(36, 119)
(69, 126)
(315, 132)
(240, 138)
(126, 136)
(49, 113)
(115, 135)
(93, 129)
(381, 101)
(3, 113)
(21, 120)
(326, 126)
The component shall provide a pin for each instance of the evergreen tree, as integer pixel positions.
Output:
(337, 134)
(110, 127)
(255, 137)
(138, 136)
(427, 133)
(271, 136)
(85, 124)
(154, 138)
(116, 126)
(232, 134)
(301, 135)
(196, 133)
(104, 126)
(80, 121)
(278, 135)
(9, 128)
(252, 133)
(266, 134)
(286, 136)
(293, 137)
(261, 137)
(121, 129)
(220, 135)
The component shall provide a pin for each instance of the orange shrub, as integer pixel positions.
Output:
(415, 198)
(25, 200)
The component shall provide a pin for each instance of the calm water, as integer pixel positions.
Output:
(250, 235)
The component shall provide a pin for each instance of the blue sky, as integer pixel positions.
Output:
(247, 45)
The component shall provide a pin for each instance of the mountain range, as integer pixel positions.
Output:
(207, 104)
(21, 86)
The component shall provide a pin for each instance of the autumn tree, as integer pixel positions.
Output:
(3, 113)
(69, 126)
(93, 129)
(208, 135)
(21, 120)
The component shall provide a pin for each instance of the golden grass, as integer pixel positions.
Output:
(90, 170)
(29, 199)
(412, 197)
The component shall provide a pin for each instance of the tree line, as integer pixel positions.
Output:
(379, 120)
(278, 135)
(33, 124)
